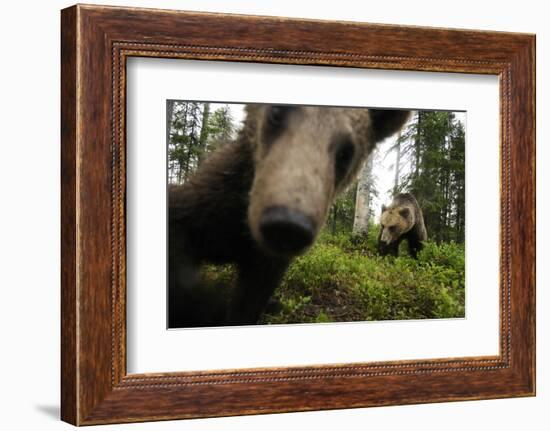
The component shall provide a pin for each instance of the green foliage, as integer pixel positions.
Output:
(221, 128)
(342, 279)
(448, 254)
(342, 211)
(194, 133)
(351, 243)
(435, 143)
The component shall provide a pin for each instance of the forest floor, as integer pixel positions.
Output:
(343, 279)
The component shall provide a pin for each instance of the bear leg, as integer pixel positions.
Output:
(256, 282)
(414, 248)
(391, 249)
(415, 245)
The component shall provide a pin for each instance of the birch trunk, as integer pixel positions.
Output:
(397, 165)
(362, 199)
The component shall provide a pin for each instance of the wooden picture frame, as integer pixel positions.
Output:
(95, 43)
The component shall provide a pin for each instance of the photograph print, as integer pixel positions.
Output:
(289, 214)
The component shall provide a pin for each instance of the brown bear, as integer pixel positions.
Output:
(260, 201)
(402, 219)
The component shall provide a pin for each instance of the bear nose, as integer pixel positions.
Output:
(286, 231)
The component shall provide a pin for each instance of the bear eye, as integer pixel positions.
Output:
(392, 228)
(276, 118)
(277, 115)
(343, 158)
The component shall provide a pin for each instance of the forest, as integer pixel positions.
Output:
(342, 277)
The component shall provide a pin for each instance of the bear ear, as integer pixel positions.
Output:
(404, 212)
(384, 208)
(385, 122)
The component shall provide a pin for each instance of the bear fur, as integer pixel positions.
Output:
(260, 201)
(401, 220)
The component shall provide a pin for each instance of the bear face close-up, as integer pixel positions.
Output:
(260, 201)
(304, 157)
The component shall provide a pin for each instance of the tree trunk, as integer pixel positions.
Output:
(397, 164)
(191, 140)
(362, 200)
(334, 216)
(169, 117)
(203, 137)
(417, 147)
(183, 131)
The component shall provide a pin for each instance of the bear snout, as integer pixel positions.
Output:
(286, 231)
(386, 237)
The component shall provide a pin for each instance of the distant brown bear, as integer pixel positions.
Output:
(401, 220)
(260, 201)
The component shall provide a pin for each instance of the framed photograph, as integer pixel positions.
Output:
(263, 214)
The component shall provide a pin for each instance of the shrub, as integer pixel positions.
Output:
(343, 279)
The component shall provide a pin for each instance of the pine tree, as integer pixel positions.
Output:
(193, 132)
(434, 145)
(221, 127)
